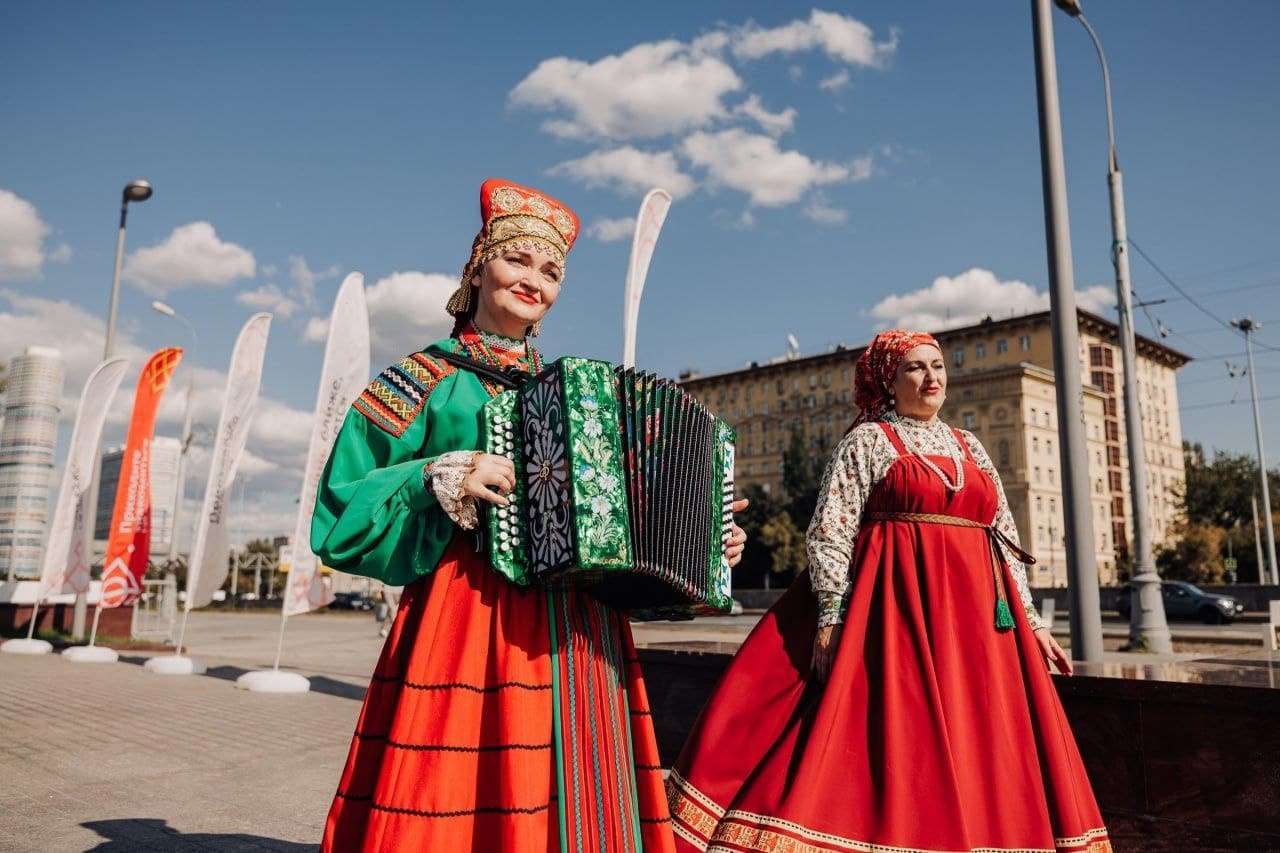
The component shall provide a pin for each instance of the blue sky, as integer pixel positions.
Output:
(823, 161)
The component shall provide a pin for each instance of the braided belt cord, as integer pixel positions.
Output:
(995, 538)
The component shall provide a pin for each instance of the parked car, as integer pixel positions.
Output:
(1184, 600)
(351, 601)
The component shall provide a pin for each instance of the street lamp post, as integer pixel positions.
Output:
(1147, 626)
(1247, 326)
(185, 437)
(139, 191)
(1082, 566)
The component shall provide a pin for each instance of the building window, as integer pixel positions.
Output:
(959, 357)
(969, 419)
(780, 387)
(1002, 346)
(1003, 452)
(1033, 415)
(1048, 445)
(981, 350)
(813, 380)
(1035, 444)
(1037, 479)
(1025, 343)
(1039, 504)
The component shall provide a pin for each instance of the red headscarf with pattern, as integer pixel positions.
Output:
(877, 367)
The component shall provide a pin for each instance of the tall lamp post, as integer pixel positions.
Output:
(1082, 565)
(1147, 626)
(139, 191)
(185, 437)
(1247, 326)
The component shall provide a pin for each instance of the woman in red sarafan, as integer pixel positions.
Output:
(500, 717)
(897, 697)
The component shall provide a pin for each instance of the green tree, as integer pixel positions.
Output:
(801, 478)
(1196, 555)
(1218, 494)
(786, 544)
(757, 562)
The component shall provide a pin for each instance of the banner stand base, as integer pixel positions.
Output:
(273, 681)
(24, 646)
(174, 665)
(90, 654)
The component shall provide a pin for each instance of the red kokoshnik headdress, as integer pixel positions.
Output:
(514, 216)
(876, 369)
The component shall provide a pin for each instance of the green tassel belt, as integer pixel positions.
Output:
(1004, 616)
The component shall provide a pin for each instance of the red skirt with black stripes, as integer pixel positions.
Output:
(501, 718)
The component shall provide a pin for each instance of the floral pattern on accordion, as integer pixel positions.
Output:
(603, 522)
(547, 468)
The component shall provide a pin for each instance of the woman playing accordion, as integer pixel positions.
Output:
(499, 717)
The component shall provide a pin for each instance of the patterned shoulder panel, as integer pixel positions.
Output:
(395, 398)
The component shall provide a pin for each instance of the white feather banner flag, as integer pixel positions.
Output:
(210, 550)
(66, 556)
(344, 375)
(653, 212)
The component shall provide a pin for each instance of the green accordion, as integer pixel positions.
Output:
(623, 484)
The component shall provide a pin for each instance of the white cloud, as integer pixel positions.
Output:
(22, 234)
(825, 214)
(774, 124)
(305, 279)
(651, 90)
(406, 312)
(612, 230)
(278, 437)
(317, 330)
(755, 165)
(271, 298)
(836, 81)
(301, 296)
(629, 170)
(969, 297)
(191, 256)
(841, 37)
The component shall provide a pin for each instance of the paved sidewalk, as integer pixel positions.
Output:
(114, 758)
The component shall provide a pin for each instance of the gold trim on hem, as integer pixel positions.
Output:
(694, 818)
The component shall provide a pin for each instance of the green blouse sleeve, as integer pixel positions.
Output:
(374, 516)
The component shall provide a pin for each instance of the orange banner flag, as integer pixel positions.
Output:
(129, 539)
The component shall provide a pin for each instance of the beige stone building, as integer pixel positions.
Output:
(1001, 388)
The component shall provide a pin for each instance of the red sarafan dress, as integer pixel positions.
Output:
(499, 717)
(935, 731)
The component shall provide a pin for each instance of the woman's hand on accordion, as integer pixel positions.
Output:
(491, 479)
(737, 536)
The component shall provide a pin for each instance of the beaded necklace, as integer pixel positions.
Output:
(483, 342)
(953, 450)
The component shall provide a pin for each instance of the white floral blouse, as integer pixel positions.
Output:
(859, 462)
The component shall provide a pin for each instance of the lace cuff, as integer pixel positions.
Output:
(444, 477)
(831, 608)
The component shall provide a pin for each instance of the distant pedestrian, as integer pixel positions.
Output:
(897, 697)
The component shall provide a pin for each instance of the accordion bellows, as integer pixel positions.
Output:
(623, 484)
